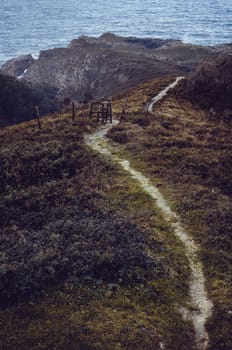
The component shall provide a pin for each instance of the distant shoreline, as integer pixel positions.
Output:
(27, 26)
(66, 43)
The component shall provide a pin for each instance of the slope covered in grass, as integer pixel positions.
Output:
(211, 85)
(188, 155)
(87, 261)
(18, 100)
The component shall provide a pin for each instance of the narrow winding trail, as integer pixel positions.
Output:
(162, 94)
(201, 307)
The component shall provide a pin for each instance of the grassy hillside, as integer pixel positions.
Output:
(87, 261)
(211, 85)
(188, 155)
(18, 100)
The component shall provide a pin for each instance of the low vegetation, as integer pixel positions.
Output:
(187, 153)
(18, 100)
(210, 86)
(87, 261)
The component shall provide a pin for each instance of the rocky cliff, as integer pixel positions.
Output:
(104, 66)
(17, 66)
(96, 67)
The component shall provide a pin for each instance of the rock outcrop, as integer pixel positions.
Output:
(106, 65)
(79, 71)
(95, 67)
(17, 66)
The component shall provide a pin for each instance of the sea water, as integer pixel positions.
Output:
(28, 26)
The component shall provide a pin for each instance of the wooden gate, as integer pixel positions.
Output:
(102, 110)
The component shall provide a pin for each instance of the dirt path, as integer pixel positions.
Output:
(162, 94)
(201, 307)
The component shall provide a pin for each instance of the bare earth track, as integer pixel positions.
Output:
(200, 308)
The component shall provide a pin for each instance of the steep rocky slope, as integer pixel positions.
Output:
(17, 66)
(79, 71)
(96, 67)
(104, 66)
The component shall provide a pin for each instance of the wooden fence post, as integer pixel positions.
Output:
(73, 112)
(98, 113)
(147, 109)
(38, 116)
(103, 112)
(91, 110)
(109, 109)
(123, 114)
